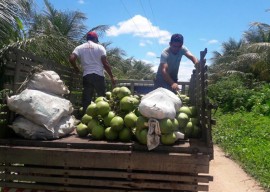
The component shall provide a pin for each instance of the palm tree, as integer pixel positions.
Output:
(13, 15)
(53, 34)
(227, 60)
(249, 55)
(258, 47)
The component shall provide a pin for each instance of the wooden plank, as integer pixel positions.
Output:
(170, 163)
(96, 189)
(114, 174)
(98, 159)
(70, 184)
(97, 173)
(68, 157)
(191, 146)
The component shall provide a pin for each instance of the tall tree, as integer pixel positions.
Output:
(13, 15)
(258, 48)
(249, 55)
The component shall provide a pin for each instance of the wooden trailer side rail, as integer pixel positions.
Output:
(81, 164)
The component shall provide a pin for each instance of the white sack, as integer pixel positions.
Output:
(29, 130)
(49, 82)
(159, 104)
(39, 107)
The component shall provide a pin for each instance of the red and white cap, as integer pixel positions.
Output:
(92, 35)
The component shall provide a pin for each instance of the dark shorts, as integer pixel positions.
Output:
(92, 83)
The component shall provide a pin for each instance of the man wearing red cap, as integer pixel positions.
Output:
(93, 60)
(167, 74)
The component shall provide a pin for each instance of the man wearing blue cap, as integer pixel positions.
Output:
(167, 74)
(93, 60)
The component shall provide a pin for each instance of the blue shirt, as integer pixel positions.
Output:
(173, 61)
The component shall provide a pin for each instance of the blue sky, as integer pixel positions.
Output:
(142, 28)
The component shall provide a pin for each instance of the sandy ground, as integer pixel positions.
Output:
(228, 176)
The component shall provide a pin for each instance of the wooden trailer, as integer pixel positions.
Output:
(81, 164)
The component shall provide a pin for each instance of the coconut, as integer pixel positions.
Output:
(125, 135)
(168, 139)
(108, 95)
(115, 92)
(188, 129)
(102, 108)
(194, 111)
(101, 98)
(98, 132)
(130, 120)
(107, 118)
(91, 110)
(82, 130)
(141, 123)
(166, 126)
(117, 123)
(185, 109)
(182, 120)
(175, 124)
(141, 136)
(85, 119)
(128, 103)
(123, 91)
(91, 124)
(110, 134)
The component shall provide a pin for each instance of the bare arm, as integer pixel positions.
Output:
(167, 77)
(192, 58)
(107, 68)
(72, 60)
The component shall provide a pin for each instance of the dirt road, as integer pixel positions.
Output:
(228, 176)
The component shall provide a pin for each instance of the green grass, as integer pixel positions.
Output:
(245, 137)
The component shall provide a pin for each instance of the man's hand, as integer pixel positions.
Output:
(175, 87)
(113, 81)
(77, 70)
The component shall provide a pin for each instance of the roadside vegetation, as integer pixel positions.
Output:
(240, 86)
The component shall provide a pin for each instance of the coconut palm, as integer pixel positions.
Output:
(258, 47)
(227, 60)
(53, 34)
(249, 55)
(13, 15)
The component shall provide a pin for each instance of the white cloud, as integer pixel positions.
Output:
(151, 54)
(142, 44)
(213, 41)
(81, 1)
(142, 27)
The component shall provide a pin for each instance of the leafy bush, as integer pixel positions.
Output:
(232, 94)
(246, 138)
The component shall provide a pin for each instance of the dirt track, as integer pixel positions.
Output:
(228, 176)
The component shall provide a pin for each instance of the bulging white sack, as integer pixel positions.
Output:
(29, 130)
(49, 82)
(39, 107)
(159, 104)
